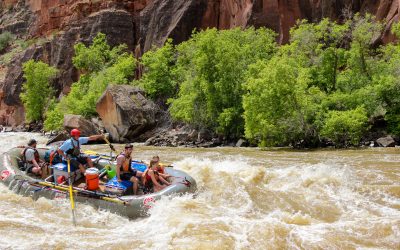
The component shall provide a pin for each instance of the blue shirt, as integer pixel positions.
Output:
(70, 143)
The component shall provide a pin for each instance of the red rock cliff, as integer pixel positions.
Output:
(149, 22)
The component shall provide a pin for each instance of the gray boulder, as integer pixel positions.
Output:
(387, 141)
(86, 127)
(241, 143)
(126, 113)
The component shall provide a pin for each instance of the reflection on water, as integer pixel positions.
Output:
(248, 198)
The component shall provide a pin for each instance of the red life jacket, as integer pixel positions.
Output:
(147, 182)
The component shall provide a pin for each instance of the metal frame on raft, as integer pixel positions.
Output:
(132, 206)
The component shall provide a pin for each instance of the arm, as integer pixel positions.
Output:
(36, 164)
(118, 168)
(95, 137)
(60, 152)
(164, 181)
(165, 176)
(153, 179)
(64, 148)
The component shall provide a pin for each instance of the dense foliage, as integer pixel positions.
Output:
(209, 70)
(329, 83)
(36, 91)
(159, 78)
(5, 39)
(100, 65)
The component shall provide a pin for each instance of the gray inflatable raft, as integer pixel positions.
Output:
(132, 206)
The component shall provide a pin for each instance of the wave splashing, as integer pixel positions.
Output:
(247, 198)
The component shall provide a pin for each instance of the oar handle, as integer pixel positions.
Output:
(108, 142)
(71, 195)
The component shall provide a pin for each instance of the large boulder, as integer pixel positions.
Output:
(86, 127)
(126, 112)
(387, 141)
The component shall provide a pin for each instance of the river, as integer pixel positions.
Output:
(247, 199)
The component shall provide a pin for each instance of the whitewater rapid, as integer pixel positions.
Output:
(247, 199)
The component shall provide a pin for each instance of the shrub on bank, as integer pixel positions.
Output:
(36, 91)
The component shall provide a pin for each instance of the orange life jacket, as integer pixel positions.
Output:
(160, 169)
(126, 165)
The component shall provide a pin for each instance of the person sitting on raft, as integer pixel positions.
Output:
(31, 158)
(160, 168)
(124, 169)
(72, 149)
(152, 177)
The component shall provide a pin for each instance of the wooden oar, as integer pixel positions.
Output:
(71, 195)
(108, 142)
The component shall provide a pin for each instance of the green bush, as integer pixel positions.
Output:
(36, 91)
(5, 39)
(159, 77)
(345, 128)
(54, 117)
(101, 66)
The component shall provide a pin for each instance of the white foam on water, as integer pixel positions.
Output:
(321, 204)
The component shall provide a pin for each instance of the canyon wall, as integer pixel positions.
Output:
(62, 23)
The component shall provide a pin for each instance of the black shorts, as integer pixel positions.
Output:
(75, 162)
(128, 176)
(29, 170)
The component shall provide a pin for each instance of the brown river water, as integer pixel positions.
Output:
(247, 199)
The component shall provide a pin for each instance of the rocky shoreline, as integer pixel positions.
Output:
(181, 135)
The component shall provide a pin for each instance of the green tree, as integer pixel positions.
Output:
(211, 69)
(97, 56)
(36, 91)
(279, 108)
(54, 117)
(159, 78)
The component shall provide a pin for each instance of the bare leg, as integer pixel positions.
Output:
(156, 189)
(37, 171)
(82, 168)
(135, 182)
(139, 173)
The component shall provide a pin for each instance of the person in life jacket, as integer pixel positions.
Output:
(31, 159)
(72, 149)
(124, 170)
(160, 168)
(152, 180)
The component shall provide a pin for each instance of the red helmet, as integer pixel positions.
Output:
(75, 132)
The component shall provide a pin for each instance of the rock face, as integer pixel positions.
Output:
(174, 19)
(58, 52)
(126, 113)
(86, 127)
(62, 23)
